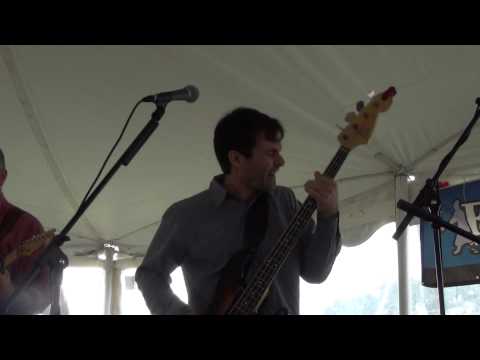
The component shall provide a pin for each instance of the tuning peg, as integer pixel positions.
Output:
(360, 105)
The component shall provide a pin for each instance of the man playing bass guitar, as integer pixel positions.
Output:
(221, 235)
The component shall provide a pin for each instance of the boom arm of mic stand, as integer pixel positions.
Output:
(412, 210)
(408, 217)
(426, 194)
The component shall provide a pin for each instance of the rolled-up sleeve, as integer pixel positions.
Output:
(165, 253)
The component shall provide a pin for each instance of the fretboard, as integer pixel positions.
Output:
(250, 298)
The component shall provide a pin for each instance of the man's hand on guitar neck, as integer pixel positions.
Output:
(6, 286)
(324, 190)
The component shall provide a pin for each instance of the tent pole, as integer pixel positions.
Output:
(401, 192)
(116, 290)
(109, 251)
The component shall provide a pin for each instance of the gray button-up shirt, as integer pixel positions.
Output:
(203, 232)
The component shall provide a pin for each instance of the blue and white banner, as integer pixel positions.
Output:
(460, 206)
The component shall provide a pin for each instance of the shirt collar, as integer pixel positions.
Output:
(218, 192)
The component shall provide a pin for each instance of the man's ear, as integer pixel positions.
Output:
(235, 158)
(3, 176)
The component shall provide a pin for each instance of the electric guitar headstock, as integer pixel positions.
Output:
(362, 123)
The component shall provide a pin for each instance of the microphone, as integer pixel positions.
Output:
(188, 93)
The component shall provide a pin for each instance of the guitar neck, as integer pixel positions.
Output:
(253, 294)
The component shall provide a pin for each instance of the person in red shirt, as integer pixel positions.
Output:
(16, 227)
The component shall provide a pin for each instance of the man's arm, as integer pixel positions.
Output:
(32, 300)
(6, 286)
(164, 254)
(319, 248)
(320, 243)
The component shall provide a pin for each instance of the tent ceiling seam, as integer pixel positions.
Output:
(433, 150)
(32, 119)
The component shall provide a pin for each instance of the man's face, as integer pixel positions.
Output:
(258, 171)
(3, 177)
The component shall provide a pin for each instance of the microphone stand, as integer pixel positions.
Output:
(429, 197)
(52, 255)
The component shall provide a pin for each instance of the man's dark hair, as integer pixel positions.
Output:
(2, 160)
(238, 130)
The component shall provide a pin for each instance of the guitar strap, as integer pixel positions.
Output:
(255, 230)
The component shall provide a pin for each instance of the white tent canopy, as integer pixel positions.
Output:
(64, 106)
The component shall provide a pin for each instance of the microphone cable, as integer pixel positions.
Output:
(111, 151)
